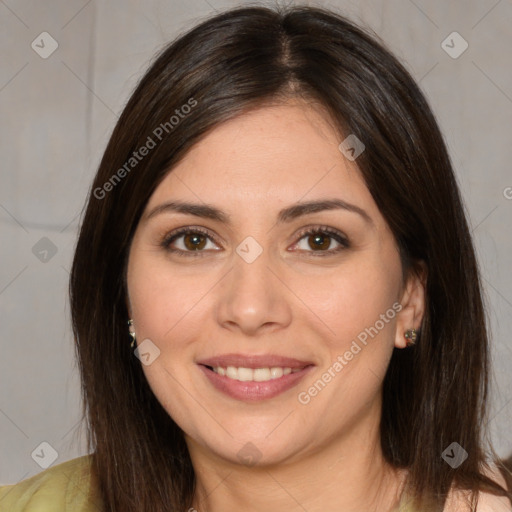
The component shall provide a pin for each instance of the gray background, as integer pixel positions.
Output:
(57, 114)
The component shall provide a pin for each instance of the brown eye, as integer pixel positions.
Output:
(322, 241)
(319, 241)
(189, 242)
(194, 241)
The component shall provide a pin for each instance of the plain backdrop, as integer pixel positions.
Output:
(57, 114)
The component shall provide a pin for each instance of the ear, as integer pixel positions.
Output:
(413, 303)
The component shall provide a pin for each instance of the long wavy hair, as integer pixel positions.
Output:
(433, 393)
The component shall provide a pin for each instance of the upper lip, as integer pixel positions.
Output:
(253, 361)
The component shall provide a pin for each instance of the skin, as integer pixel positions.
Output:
(324, 455)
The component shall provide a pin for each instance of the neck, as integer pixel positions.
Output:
(348, 473)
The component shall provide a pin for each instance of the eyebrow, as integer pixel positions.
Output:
(285, 215)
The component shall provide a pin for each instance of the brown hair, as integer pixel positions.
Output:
(434, 393)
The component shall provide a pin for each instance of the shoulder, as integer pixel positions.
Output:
(487, 502)
(491, 503)
(66, 486)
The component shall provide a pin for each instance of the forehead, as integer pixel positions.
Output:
(269, 157)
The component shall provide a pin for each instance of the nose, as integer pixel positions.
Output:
(252, 299)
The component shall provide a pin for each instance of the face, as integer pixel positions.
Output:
(301, 305)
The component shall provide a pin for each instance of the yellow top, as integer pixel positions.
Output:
(65, 487)
(68, 487)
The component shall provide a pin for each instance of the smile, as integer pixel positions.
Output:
(253, 377)
(256, 374)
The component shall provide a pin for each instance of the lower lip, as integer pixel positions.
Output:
(252, 391)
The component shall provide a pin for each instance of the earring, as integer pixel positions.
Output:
(132, 332)
(410, 335)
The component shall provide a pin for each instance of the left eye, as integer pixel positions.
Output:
(320, 241)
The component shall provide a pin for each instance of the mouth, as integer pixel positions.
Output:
(253, 378)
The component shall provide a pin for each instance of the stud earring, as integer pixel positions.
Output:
(132, 332)
(410, 335)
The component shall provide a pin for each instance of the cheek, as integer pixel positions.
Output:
(166, 306)
(162, 298)
(359, 328)
(352, 299)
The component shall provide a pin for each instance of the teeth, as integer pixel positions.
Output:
(245, 374)
(232, 372)
(262, 374)
(256, 374)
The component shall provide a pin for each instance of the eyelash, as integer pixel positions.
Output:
(324, 230)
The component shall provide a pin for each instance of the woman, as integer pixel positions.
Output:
(274, 294)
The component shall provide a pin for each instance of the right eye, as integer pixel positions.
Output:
(193, 241)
